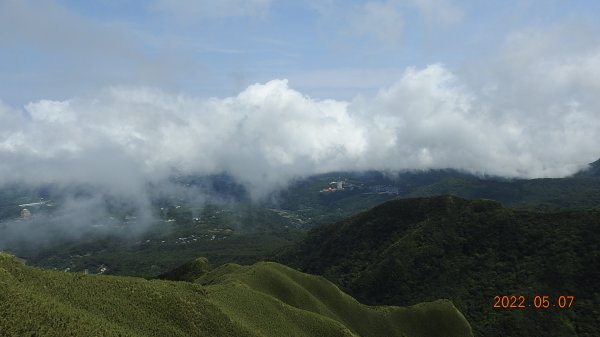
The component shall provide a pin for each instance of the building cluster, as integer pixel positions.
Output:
(343, 185)
(26, 208)
(334, 186)
(25, 213)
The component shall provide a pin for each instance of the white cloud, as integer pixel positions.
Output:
(525, 125)
(270, 133)
(531, 112)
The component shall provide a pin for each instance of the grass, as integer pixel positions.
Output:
(316, 295)
(265, 299)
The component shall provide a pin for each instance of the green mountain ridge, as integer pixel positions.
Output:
(468, 251)
(578, 192)
(265, 299)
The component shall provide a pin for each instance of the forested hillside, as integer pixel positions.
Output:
(406, 251)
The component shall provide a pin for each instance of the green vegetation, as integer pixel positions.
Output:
(304, 201)
(246, 232)
(189, 271)
(266, 299)
(593, 170)
(579, 191)
(411, 250)
(241, 233)
(400, 253)
(147, 259)
(566, 193)
(36, 302)
(311, 207)
(274, 283)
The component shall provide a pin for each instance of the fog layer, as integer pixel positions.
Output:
(271, 133)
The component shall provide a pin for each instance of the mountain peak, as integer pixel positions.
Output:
(592, 170)
(189, 271)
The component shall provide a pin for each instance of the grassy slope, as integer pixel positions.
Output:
(232, 301)
(412, 250)
(36, 302)
(316, 295)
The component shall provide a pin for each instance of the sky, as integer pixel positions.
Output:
(120, 92)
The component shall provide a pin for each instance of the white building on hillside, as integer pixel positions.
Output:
(25, 213)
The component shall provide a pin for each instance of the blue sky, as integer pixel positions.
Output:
(273, 90)
(336, 49)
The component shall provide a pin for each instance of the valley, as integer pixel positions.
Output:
(384, 239)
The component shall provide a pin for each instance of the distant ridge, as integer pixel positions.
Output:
(593, 170)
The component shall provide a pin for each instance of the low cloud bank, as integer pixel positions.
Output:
(540, 122)
(271, 133)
